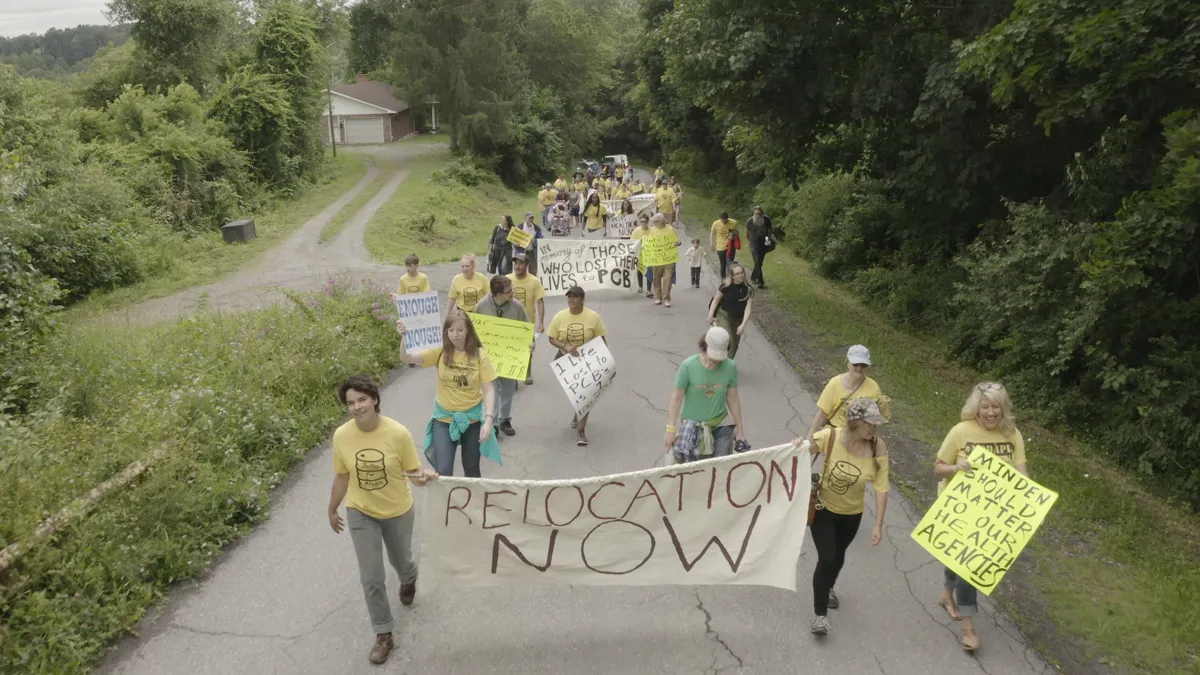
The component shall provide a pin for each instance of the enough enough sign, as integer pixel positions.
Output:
(983, 519)
(586, 377)
(507, 343)
(591, 265)
(422, 320)
(729, 520)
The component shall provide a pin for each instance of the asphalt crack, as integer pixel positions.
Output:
(649, 402)
(713, 635)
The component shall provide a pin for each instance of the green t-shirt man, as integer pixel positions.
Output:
(704, 390)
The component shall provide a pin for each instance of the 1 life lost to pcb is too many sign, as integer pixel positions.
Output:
(586, 377)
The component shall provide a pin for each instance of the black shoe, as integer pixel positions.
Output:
(408, 592)
(507, 428)
(834, 603)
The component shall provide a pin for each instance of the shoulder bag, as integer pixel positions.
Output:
(814, 499)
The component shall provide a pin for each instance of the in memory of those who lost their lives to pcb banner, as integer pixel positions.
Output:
(591, 265)
(983, 519)
(422, 320)
(586, 377)
(507, 343)
(737, 519)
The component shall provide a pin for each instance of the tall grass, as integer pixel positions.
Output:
(235, 400)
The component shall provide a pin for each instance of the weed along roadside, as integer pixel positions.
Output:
(235, 399)
(1111, 581)
(444, 208)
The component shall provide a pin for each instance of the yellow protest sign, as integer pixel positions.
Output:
(519, 237)
(659, 251)
(507, 343)
(983, 520)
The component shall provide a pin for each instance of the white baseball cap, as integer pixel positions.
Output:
(717, 339)
(859, 354)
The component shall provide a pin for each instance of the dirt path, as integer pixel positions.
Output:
(299, 264)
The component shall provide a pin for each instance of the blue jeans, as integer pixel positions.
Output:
(965, 595)
(505, 388)
(444, 450)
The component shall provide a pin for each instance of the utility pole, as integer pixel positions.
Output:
(332, 137)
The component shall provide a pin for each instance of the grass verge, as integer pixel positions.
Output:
(1112, 581)
(386, 170)
(236, 399)
(439, 218)
(186, 262)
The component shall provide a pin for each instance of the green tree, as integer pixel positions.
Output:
(181, 40)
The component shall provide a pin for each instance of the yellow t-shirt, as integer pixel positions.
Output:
(963, 438)
(639, 188)
(580, 186)
(619, 172)
(467, 293)
(527, 291)
(721, 232)
(623, 192)
(576, 329)
(408, 284)
(844, 476)
(458, 384)
(637, 233)
(658, 174)
(665, 197)
(547, 197)
(560, 184)
(594, 215)
(834, 392)
(376, 461)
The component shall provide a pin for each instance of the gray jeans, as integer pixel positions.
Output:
(395, 534)
(505, 388)
(965, 595)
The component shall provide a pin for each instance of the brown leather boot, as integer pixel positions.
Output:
(383, 647)
(408, 592)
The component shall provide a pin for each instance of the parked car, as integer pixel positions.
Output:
(612, 160)
(586, 165)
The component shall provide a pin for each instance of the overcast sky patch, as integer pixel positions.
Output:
(18, 17)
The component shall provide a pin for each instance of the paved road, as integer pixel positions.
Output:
(286, 599)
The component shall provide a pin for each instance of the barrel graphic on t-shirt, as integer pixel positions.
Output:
(414, 289)
(470, 297)
(370, 470)
(575, 334)
(519, 294)
(842, 476)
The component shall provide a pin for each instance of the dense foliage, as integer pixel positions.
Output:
(59, 52)
(196, 120)
(1025, 182)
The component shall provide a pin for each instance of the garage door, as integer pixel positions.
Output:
(364, 130)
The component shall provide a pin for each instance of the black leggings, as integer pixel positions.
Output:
(831, 534)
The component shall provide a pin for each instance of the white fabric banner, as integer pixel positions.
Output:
(422, 319)
(586, 377)
(729, 520)
(593, 265)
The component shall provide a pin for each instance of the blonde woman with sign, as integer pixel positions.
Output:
(853, 457)
(465, 403)
(987, 421)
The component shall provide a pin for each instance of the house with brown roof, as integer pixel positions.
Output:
(366, 111)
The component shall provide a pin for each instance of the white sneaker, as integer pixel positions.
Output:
(820, 626)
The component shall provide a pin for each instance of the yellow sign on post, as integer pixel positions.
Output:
(983, 520)
(519, 237)
(659, 251)
(507, 343)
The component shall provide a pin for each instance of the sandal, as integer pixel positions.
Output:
(970, 640)
(951, 608)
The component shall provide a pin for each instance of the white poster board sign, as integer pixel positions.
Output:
(422, 319)
(620, 227)
(593, 265)
(586, 377)
(738, 519)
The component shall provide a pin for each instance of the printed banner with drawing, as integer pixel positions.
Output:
(422, 319)
(507, 343)
(586, 377)
(738, 519)
(983, 520)
(659, 251)
(591, 265)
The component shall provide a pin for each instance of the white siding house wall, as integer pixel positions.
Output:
(357, 122)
